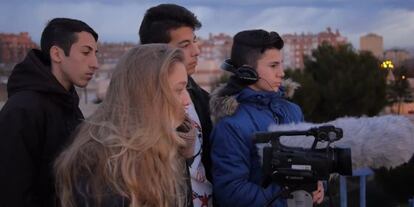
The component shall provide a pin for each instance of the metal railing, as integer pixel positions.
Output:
(362, 173)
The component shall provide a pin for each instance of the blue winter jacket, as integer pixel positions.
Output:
(237, 173)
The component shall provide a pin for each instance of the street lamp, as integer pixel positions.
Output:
(388, 65)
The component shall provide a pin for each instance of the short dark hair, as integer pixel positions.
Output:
(249, 45)
(62, 33)
(158, 21)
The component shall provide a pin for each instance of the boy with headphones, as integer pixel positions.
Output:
(250, 102)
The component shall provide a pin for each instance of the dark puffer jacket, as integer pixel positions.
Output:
(237, 173)
(35, 125)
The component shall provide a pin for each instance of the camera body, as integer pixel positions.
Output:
(300, 168)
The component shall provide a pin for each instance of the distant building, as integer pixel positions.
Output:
(14, 47)
(216, 47)
(108, 56)
(297, 46)
(372, 43)
(397, 56)
(409, 64)
(109, 53)
(213, 51)
(207, 73)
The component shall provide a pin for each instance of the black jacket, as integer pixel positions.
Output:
(35, 124)
(200, 100)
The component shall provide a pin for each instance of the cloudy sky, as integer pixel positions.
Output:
(118, 20)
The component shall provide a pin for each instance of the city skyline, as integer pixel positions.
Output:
(118, 21)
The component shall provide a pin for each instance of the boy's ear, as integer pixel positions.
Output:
(56, 54)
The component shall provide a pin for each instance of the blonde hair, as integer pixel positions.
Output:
(129, 145)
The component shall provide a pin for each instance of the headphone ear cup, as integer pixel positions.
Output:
(247, 75)
(228, 66)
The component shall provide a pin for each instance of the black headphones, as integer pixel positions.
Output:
(244, 73)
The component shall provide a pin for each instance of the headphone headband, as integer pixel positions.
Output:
(227, 65)
(245, 73)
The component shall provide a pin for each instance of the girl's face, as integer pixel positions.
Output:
(270, 70)
(178, 83)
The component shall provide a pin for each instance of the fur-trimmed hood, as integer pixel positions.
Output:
(226, 105)
(221, 106)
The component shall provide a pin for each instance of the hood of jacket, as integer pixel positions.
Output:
(226, 105)
(34, 74)
(222, 105)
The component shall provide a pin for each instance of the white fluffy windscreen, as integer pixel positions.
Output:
(381, 141)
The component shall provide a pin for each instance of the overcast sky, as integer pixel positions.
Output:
(118, 20)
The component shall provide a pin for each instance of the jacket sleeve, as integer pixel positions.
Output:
(18, 138)
(231, 158)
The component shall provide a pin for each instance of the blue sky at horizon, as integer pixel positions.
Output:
(118, 21)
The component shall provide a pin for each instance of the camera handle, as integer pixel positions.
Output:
(296, 198)
(300, 198)
(327, 133)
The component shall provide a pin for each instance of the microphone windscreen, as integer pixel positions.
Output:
(381, 141)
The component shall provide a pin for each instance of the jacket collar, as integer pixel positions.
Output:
(221, 106)
(261, 98)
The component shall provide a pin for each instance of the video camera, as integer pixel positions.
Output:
(300, 168)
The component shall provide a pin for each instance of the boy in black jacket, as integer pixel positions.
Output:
(42, 111)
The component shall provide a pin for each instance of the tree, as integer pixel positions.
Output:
(337, 82)
(398, 91)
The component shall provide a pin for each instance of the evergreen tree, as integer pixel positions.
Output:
(337, 82)
(398, 91)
